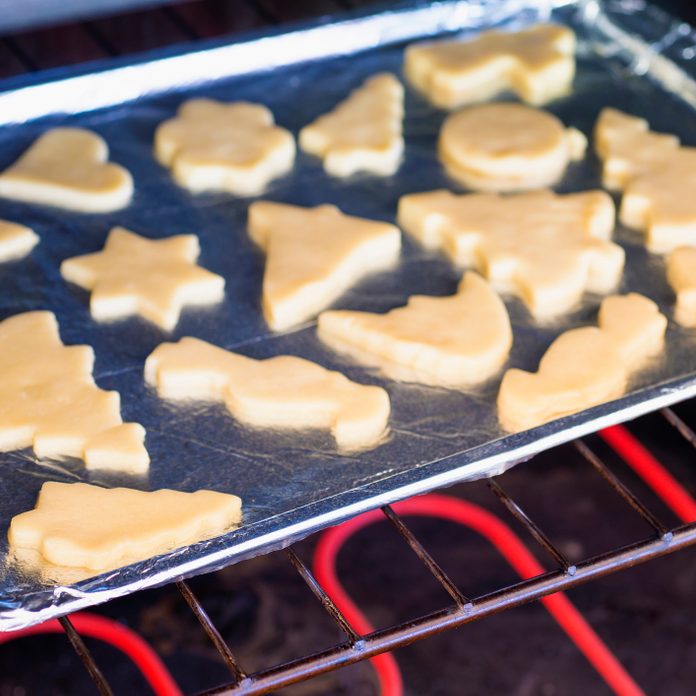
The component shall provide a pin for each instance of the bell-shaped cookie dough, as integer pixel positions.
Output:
(453, 341)
(212, 146)
(49, 401)
(681, 274)
(153, 278)
(280, 392)
(313, 255)
(16, 241)
(546, 248)
(507, 147)
(536, 63)
(68, 168)
(362, 133)
(584, 367)
(83, 526)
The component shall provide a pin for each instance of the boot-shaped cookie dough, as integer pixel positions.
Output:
(454, 341)
(546, 248)
(584, 367)
(16, 241)
(681, 273)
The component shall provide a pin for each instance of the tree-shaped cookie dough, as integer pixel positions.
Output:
(546, 248)
(16, 240)
(49, 401)
(657, 176)
(584, 367)
(313, 255)
(84, 526)
(457, 340)
(68, 168)
(280, 392)
(681, 273)
(153, 278)
(212, 146)
(536, 63)
(364, 132)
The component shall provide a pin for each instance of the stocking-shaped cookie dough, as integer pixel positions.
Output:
(681, 273)
(85, 526)
(457, 340)
(363, 132)
(546, 248)
(584, 367)
(49, 401)
(313, 255)
(16, 240)
(536, 63)
(280, 392)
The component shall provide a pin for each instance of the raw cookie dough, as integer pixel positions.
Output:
(313, 255)
(280, 392)
(16, 241)
(445, 341)
(507, 147)
(49, 401)
(68, 168)
(657, 176)
(153, 278)
(85, 526)
(546, 248)
(681, 273)
(584, 367)
(212, 146)
(364, 132)
(536, 63)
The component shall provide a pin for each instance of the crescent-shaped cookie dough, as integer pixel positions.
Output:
(536, 63)
(49, 401)
(681, 274)
(68, 168)
(153, 278)
(362, 133)
(546, 248)
(16, 241)
(280, 392)
(455, 341)
(584, 367)
(313, 255)
(211, 146)
(507, 147)
(83, 526)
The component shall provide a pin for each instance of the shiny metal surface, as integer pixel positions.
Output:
(293, 484)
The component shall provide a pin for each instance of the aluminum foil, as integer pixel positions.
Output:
(631, 56)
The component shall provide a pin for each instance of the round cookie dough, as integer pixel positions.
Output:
(507, 147)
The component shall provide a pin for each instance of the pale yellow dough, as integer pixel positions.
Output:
(85, 526)
(49, 401)
(536, 63)
(313, 255)
(657, 176)
(507, 147)
(584, 367)
(280, 392)
(212, 146)
(546, 248)
(153, 278)
(362, 133)
(68, 168)
(681, 273)
(454, 341)
(16, 241)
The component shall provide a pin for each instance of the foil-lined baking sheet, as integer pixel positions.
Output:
(631, 56)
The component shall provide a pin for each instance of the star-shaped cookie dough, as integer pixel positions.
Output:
(546, 248)
(364, 132)
(313, 255)
(153, 278)
(83, 526)
(68, 168)
(49, 401)
(16, 240)
(456, 341)
(584, 367)
(212, 146)
(681, 274)
(280, 392)
(536, 63)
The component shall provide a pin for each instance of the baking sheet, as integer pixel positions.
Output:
(293, 484)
